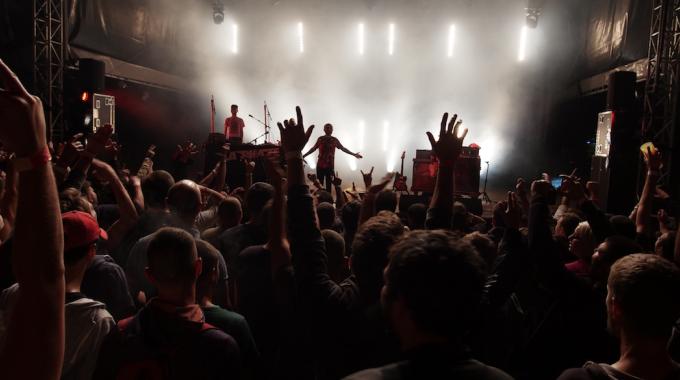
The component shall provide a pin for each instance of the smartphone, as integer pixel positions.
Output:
(556, 182)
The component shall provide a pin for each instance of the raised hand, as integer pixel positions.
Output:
(337, 182)
(23, 121)
(71, 150)
(151, 152)
(380, 186)
(98, 142)
(368, 177)
(293, 134)
(184, 152)
(449, 145)
(541, 187)
(358, 155)
(513, 212)
(653, 159)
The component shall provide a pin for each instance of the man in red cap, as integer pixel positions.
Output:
(87, 321)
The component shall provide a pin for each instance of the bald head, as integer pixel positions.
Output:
(184, 199)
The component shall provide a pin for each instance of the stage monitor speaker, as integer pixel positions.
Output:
(91, 74)
(466, 175)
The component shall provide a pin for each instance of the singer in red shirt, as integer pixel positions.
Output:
(233, 127)
(326, 145)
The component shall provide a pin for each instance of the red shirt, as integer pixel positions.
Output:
(233, 127)
(327, 145)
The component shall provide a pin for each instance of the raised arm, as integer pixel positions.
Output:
(313, 149)
(38, 315)
(278, 240)
(447, 150)
(8, 204)
(126, 208)
(342, 148)
(147, 165)
(642, 218)
(368, 204)
(95, 145)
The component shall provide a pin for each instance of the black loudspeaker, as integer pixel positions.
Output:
(91, 74)
(617, 171)
(212, 147)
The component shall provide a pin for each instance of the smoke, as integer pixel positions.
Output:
(334, 84)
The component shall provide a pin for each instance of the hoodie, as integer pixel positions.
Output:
(87, 324)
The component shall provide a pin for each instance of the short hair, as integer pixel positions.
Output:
(257, 197)
(229, 209)
(184, 198)
(417, 213)
(485, 246)
(71, 199)
(349, 215)
(569, 221)
(234, 106)
(324, 196)
(623, 225)
(326, 214)
(386, 200)
(440, 278)
(618, 246)
(171, 256)
(371, 246)
(646, 288)
(155, 188)
(210, 257)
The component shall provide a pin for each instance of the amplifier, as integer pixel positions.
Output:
(466, 174)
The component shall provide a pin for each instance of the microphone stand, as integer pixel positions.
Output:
(265, 134)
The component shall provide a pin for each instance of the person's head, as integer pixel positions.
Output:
(256, 199)
(89, 193)
(209, 276)
(433, 287)
(328, 129)
(234, 109)
(566, 224)
(229, 212)
(335, 253)
(184, 200)
(416, 214)
(71, 199)
(350, 216)
(173, 264)
(370, 248)
(386, 200)
(81, 234)
(155, 188)
(623, 225)
(582, 242)
(486, 248)
(324, 196)
(326, 214)
(642, 297)
(459, 218)
(665, 246)
(608, 252)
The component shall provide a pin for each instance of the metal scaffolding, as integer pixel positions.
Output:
(663, 82)
(49, 44)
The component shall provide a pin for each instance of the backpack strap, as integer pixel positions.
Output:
(596, 372)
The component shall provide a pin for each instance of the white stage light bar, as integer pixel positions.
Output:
(452, 40)
(234, 38)
(360, 36)
(301, 37)
(390, 40)
(521, 56)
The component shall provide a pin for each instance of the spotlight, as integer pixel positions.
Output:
(390, 40)
(234, 38)
(218, 12)
(521, 55)
(85, 96)
(301, 37)
(452, 40)
(360, 35)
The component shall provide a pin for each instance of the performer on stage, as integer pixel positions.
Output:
(326, 163)
(233, 127)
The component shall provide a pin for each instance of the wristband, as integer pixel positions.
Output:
(34, 161)
(293, 154)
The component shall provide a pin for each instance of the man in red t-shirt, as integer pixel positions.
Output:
(233, 126)
(326, 163)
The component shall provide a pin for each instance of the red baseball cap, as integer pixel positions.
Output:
(80, 229)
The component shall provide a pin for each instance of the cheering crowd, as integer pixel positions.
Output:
(113, 274)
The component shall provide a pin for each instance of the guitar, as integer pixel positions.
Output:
(400, 179)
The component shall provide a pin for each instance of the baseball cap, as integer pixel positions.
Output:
(80, 229)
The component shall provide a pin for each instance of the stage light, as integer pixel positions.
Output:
(386, 134)
(85, 96)
(391, 160)
(521, 56)
(301, 37)
(234, 38)
(362, 133)
(452, 40)
(218, 12)
(360, 36)
(390, 40)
